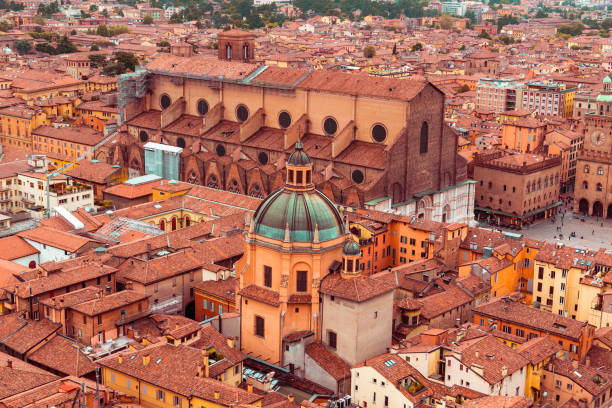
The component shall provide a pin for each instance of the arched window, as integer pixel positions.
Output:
(173, 223)
(586, 168)
(599, 187)
(187, 221)
(600, 171)
(245, 52)
(228, 52)
(424, 141)
(585, 185)
(162, 225)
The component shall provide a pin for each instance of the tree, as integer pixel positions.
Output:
(369, 51)
(73, 32)
(65, 46)
(97, 60)
(4, 26)
(417, 47)
(484, 34)
(94, 47)
(127, 60)
(462, 48)
(147, 19)
(571, 29)
(105, 13)
(541, 14)
(46, 48)
(176, 18)
(22, 46)
(394, 52)
(445, 21)
(93, 7)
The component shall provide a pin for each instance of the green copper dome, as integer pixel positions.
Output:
(302, 212)
(351, 248)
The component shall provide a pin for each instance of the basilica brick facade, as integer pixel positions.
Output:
(369, 138)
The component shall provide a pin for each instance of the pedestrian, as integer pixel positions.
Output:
(593, 233)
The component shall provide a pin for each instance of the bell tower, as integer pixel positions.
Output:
(236, 45)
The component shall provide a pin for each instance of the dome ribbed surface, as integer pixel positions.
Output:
(301, 211)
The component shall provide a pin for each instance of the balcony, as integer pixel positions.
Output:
(128, 318)
(63, 189)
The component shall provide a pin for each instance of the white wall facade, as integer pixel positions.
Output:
(370, 388)
(471, 377)
(49, 253)
(455, 204)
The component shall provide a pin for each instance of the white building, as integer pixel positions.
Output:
(486, 365)
(31, 192)
(388, 381)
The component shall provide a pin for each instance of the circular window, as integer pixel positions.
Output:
(357, 176)
(284, 119)
(379, 133)
(180, 142)
(202, 107)
(220, 149)
(144, 136)
(242, 113)
(330, 125)
(263, 158)
(165, 101)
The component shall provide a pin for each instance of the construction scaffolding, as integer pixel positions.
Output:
(130, 87)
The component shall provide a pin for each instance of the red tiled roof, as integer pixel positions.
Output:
(328, 361)
(357, 289)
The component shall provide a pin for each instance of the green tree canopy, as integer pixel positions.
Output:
(369, 51)
(22, 46)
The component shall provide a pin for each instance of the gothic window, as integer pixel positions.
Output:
(228, 51)
(212, 181)
(144, 136)
(424, 140)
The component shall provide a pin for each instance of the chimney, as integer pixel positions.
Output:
(205, 360)
(587, 362)
(290, 397)
(230, 342)
(146, 359)
(199, 370)
(120, 359)
(477, 354)
(148, 251)
(575, 364)
(9, 363)
(217, 395)
(250, 388)
(504, 371)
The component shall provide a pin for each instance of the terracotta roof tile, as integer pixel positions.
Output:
(328, 361)
(261, 294)
(63, 355)
(357, 289)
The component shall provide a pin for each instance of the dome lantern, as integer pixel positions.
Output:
(299, 169)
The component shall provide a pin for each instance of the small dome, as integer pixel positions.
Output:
(299, 157)
(351, 248)
(607, 79)
(302, 212)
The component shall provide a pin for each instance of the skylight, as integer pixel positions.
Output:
(389, 363)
